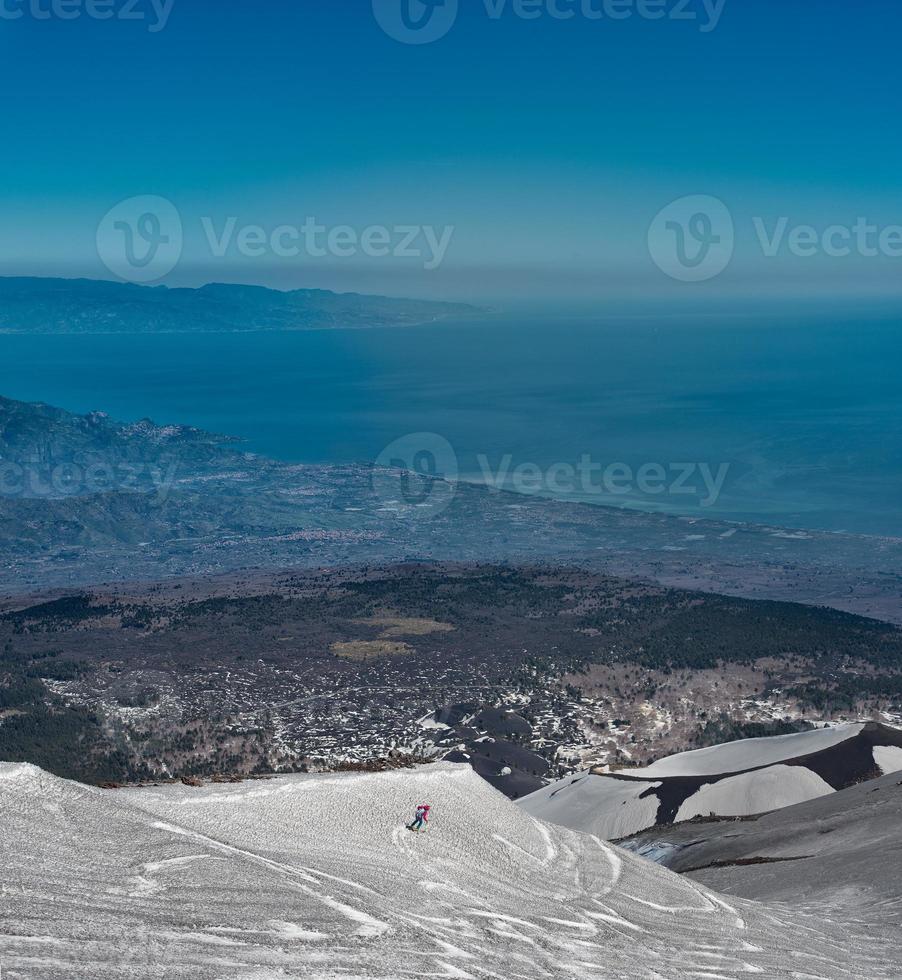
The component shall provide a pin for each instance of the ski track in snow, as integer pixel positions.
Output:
(317, 877)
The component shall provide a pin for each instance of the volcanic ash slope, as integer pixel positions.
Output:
(736, 779)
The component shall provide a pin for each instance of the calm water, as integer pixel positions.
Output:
(805, 415)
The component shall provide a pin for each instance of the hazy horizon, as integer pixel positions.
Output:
(539, 187)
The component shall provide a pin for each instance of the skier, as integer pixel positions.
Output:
(421, 818)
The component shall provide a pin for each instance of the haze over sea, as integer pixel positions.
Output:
(806, 411)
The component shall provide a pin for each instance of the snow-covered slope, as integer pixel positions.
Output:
(736, 779)
(888, 758)
(591, 804)
(850, 839)
(748, 753)
(316, 877)
(755, 792)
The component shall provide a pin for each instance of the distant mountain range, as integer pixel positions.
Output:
(37, 433)
(87, 499)
(34, 305)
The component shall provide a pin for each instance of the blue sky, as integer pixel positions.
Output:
(548, 145)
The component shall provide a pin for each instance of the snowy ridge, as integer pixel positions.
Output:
(316, 877)
(749, 753)
(757, 791)
(848, 841)
(737, 779)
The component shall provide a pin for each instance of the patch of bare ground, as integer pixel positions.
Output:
(746, 862)
(391, 627)
(363, 650)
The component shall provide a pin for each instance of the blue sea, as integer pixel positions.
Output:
(795, 421)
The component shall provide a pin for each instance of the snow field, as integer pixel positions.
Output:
(748, 753)
(317, 877)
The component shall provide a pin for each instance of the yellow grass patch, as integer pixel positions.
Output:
(362, 650)
(390, 626)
